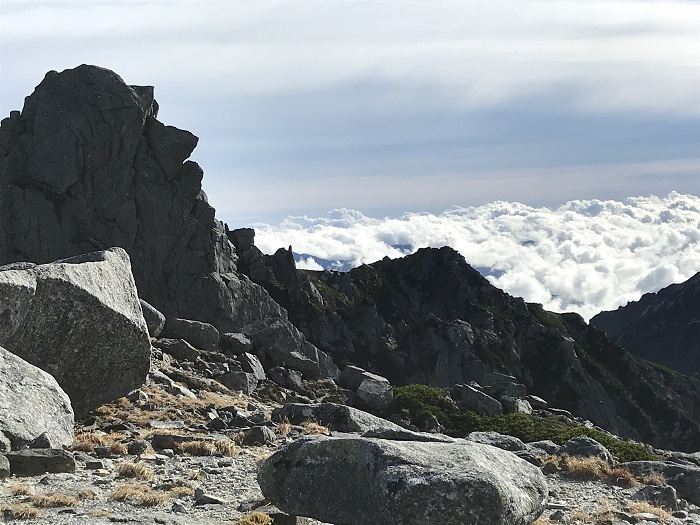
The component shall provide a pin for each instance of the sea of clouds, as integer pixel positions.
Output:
(585, 256)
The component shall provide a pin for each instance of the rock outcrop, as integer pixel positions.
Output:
(80, 320)
(32, 405)
(86, 165)
(663, 327)
(351, 480)
(431, 318)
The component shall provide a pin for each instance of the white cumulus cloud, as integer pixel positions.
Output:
(585, 256)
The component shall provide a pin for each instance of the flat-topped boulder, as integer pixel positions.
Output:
(351, 480)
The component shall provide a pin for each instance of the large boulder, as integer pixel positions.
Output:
(32, 404)
(80, 320)
(351, 480)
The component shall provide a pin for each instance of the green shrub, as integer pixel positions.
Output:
(422, 403)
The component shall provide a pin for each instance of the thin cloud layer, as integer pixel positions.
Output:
(585, 256)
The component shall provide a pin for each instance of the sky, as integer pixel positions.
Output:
(395, 109)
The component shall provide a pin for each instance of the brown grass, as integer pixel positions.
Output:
(311, 427)
(87, 441)
(256, 518)
(136, 471)
(590, 469)
(284, 428)
(542, 521)
(140, 494)
(19, 511)
(53, 500)
(181, 491)
(225, 447)
(655, 478)
(21, 490)
(635, 507)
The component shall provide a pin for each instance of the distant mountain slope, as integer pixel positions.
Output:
(431, 318)
(663, 327)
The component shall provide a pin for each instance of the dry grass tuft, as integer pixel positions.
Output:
(542, 521)
(590, 469)
(311, 427)
(655, 478)
(635, 507)
(135, 470)
(140, 494)
(181, 491)
(224, 447)
(119, 448)
(54, 500)
(21, 490)
(256, 518)
(19, 511)
(87, 441)
(284, 428)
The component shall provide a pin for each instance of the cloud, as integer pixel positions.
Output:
(584, 256)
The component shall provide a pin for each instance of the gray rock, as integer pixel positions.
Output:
(497, 378)
(406, 435)
(4, 467)
(56, 326)
(544, 447)
(374, 392)
(286, 378)
(497, 440)
(155, 321)
(339, 418)
(585, 447)
(252, 365)
(243, 381)
(515, 405)
(32, 405)
(235, 343)
(259, 435)
(352, 376)
(660, 496)
(352, 480)
(200, 335)
(178, 348)
(684, 478)
(536, 402)
(502, 390)
(5, 443)
(469, 398)
(32, 462)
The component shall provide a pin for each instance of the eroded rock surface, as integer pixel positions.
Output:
(32, 404)
(353, 480)
(80, 320)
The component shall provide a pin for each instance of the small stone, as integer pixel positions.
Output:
(201, 498)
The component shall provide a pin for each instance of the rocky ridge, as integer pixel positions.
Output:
(663, 327)
(431, 318)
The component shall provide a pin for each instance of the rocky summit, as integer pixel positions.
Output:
(156, 367)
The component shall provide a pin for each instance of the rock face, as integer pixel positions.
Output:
(32, 404)
(80, 320)
(352, 480)
(431, 318)
(663, 327)
(86, 165)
